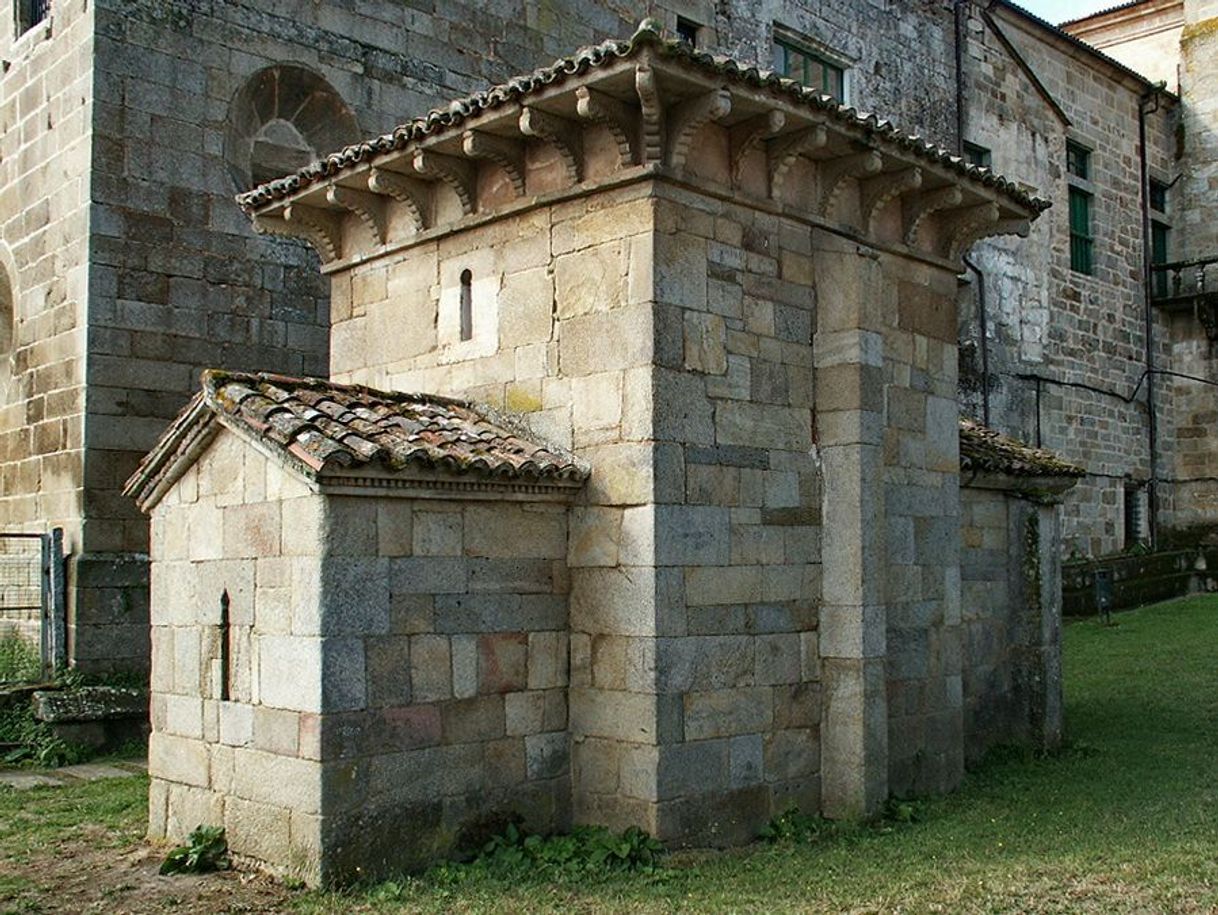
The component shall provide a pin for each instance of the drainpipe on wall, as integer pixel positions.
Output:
(1152, 426)
(961, 13)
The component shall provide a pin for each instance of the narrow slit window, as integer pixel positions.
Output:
(467, 305)
(226, 662)
(30, 13)
(1082, 242)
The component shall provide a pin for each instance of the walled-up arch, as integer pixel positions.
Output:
(281, 119)
(8, 320)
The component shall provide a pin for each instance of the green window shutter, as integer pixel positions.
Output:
(1081, 243)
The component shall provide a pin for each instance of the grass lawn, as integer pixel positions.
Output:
(1122, 822)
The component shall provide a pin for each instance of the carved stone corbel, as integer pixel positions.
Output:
(414, 195)
(507, 154)
(835, 172)
(688, 116)
(782, 152)
(456, 173)
(621, 119)
(565, 136)
(648, 89)
(919, 206)
(749, 135)
(882, 189)
(317, 227)
(368, 207)
(967, 225)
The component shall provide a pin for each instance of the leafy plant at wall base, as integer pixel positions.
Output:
(205, 850)
(36, 742)
(586, 851)
(793, 826)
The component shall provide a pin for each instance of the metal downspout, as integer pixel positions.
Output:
(1152, 425)
(961, 13)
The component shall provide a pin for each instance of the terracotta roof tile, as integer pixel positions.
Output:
(647, 36)
(324, 425)
(983, 449)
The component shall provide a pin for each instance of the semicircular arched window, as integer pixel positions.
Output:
(280, 120)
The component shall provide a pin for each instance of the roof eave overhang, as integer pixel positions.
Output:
(654, 98)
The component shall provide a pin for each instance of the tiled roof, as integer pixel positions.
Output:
(648, 35)
(983, 449)
(319, 426)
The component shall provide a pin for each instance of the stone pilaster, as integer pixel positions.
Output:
(848, 354)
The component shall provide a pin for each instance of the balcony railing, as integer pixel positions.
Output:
(1189, 285)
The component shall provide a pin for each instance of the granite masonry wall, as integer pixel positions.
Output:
(46, 122)
(1084, 335)
(177, 281)
(1011, 620)
(383, 675)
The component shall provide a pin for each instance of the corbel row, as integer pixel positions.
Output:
(647, 130)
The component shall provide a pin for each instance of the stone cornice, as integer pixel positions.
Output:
(649, 99)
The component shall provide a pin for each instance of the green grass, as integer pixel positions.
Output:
(1122, 822)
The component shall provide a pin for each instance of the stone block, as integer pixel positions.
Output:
(258, 830)
(692, 535)
(471, 720)
(548, 656)
(430, 668)
(503, 662)
(705, 343)
(594, 536)
(547, 755)
(437, 533)
(387, 662)
(465, 666)
(746, 760)
(727, 712)
(524, 713)
(778, 658)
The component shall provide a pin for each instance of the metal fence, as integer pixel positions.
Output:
(32, 599)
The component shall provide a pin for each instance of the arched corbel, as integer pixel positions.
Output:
(317, 227)
(749, 135)
(621, 119)
(882, 189)
(967, 225)
(414, 195)
(782, 152)
(647, 86)
(918, 206)
(456, 173)
(835, 172)
(368, 207)
(688, 116)
(565, 136)
(506, 153)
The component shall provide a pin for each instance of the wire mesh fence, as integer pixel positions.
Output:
(21, 586)
(32, 596)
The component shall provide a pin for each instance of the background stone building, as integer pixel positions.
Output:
(127, 127)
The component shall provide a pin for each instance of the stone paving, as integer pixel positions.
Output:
(21, 779)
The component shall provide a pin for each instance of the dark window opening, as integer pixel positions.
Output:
(687, 31)
(30, 13)
(1078, 160)
(467, 305)
(1134, 494)
(1159, 239)
(1081, 241)
(810, 69)
(978, 155)
(1158, 196)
